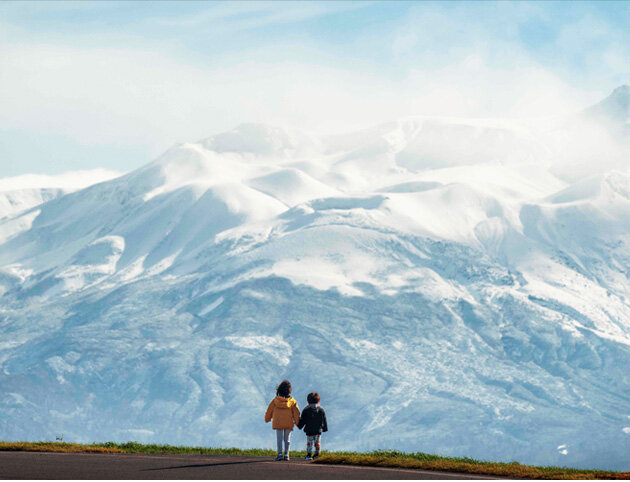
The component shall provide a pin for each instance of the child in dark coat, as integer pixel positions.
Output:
(313, 420)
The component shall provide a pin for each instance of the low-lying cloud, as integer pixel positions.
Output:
(105, 94)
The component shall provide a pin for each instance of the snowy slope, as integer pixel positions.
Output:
(452, 279)
(23, 192)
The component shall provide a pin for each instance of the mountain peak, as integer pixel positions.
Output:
(620, 97)
(622, 90)
(258, 139)
(614, 109)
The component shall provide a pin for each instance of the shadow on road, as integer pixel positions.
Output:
(204, 465)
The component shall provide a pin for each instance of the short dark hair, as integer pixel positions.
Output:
(312, 397)
(284, 389)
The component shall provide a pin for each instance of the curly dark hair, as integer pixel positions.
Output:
(312, 397)
(284, 389)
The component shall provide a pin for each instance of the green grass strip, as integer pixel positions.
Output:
(135, 448)
(420, 460)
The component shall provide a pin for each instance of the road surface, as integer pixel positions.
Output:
(44, 465)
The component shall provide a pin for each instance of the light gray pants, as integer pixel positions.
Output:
(283, 434)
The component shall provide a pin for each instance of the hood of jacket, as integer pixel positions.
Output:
(281, 402)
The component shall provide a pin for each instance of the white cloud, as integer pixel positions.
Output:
(238, 16)
(68, 181)
(131, 96)
(145, 96)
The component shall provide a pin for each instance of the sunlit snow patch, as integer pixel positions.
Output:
(324, 274)
(273, 346)
(211, 306)
(14, 226)
(92, 263)
(18, 271)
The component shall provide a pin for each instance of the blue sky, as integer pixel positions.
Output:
(108, 84)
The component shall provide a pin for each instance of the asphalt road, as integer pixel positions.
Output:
(39, 465)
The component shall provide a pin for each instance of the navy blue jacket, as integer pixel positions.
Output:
(313, 420)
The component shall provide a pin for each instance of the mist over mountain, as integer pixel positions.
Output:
(455, 286)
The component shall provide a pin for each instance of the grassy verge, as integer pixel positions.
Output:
(424, 461)
(134, 448)
(372, 459)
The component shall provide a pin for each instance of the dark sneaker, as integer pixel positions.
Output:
(286, 457)
(278, 458)
(316, 455)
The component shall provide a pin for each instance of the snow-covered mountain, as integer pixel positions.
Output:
(447, 285)
(20, 193)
